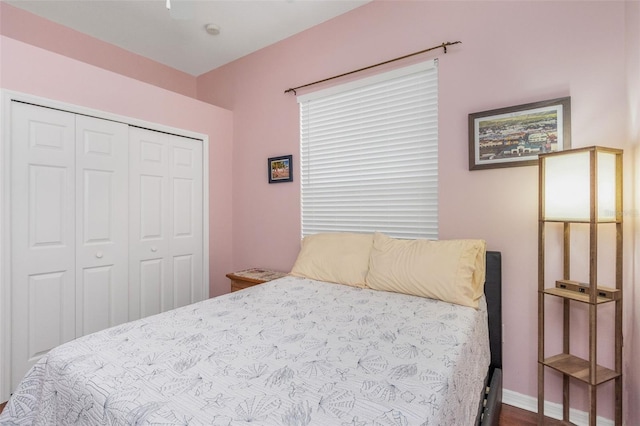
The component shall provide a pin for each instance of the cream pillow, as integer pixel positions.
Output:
(341, 258)
(448, 270)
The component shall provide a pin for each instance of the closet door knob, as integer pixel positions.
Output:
(99, 255)
(154, 249)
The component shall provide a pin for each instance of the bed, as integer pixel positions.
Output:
(294, 351)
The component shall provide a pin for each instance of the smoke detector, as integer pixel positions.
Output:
(212, 29)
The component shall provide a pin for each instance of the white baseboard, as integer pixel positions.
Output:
(551, 409)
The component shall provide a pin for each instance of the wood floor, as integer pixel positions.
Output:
(509, 416)
(512, 416)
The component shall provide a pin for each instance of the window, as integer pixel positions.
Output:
(369, 155)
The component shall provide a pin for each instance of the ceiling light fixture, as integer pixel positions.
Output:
(211, 29)
(169, 4)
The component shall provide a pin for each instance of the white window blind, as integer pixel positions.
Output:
(369, 155)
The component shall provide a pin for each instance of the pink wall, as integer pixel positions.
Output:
(39, 72)
(632, 292)
(27, 27)
(512, 53)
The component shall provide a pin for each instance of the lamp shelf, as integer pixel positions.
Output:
(578, 368)
(574, 295)
(582, 190)
(585, 221)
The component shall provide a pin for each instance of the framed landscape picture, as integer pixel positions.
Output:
(514, 136)
(280, 169)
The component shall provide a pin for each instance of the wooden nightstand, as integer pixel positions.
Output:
(254, 276)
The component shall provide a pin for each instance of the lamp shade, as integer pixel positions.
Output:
(568, 188)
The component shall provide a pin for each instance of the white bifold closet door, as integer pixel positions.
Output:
(106, 227)
(102, 212)
(166, 222)
(68, 229)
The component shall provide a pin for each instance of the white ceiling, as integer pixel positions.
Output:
(177, 37)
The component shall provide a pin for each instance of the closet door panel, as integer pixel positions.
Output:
(42, 233)
(95, 308)
(166, 252)
(47, 201)
(151, 285)
(187, 226)
(102, 170)
(183, 192)
(152, 193)
(150, 271)
(46, 312)
(183, 279)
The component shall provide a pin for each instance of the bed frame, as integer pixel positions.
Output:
(491, 400)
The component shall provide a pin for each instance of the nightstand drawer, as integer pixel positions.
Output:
(250, 277)
(241, 285)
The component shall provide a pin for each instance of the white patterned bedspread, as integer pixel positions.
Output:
(289, 352)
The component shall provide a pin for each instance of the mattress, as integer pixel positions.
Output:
(289, 352)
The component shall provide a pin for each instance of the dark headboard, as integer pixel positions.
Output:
(493, 293)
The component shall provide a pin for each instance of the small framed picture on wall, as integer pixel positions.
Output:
(280, 169)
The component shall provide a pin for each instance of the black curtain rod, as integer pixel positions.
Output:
(443, 46)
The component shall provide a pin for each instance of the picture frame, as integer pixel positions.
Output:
(515, 135)
(280, 169)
